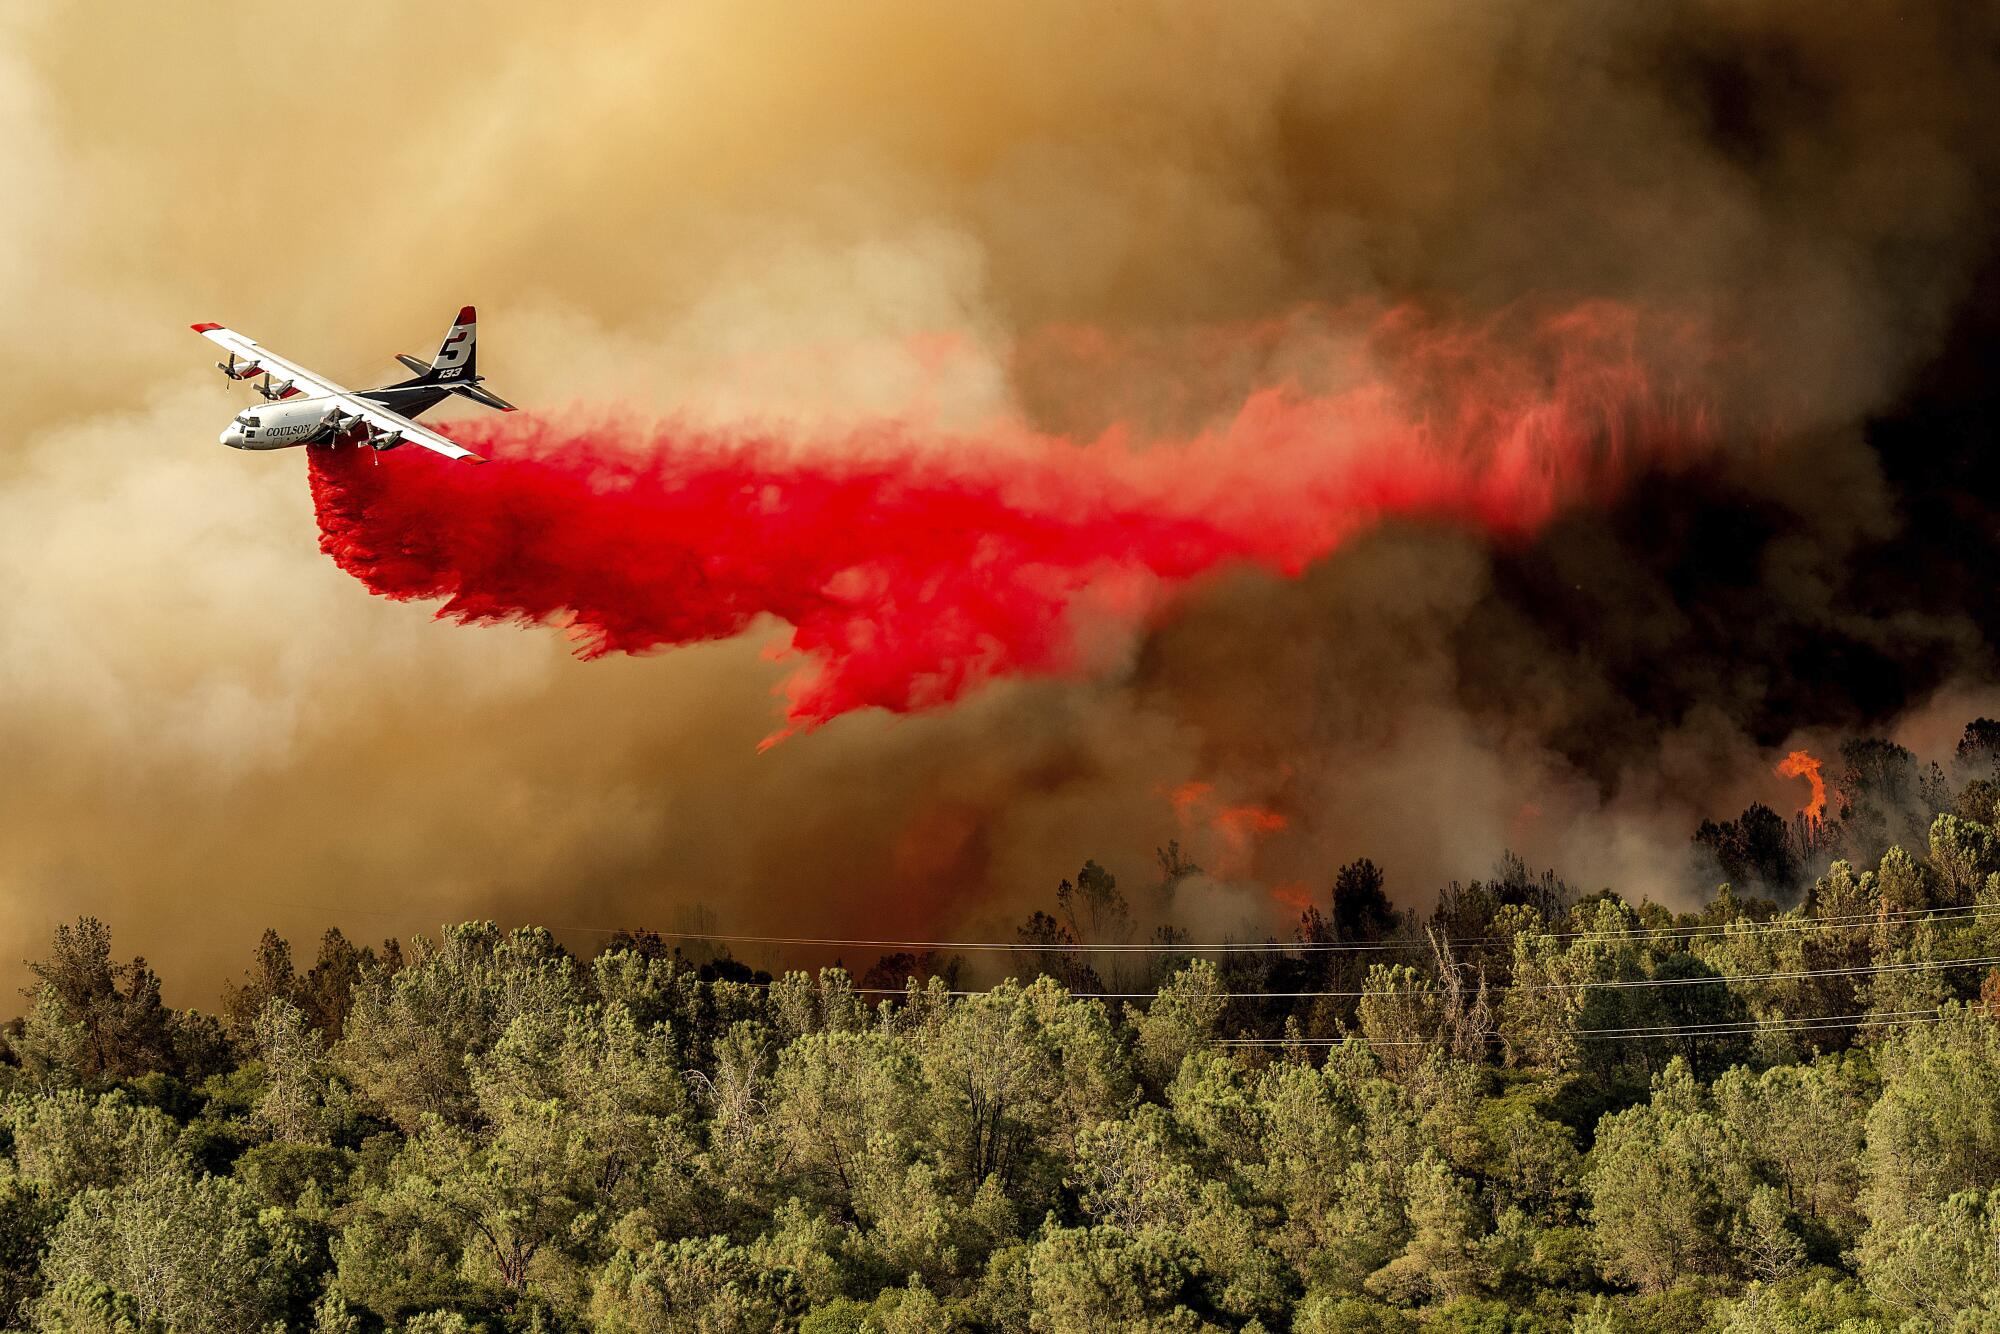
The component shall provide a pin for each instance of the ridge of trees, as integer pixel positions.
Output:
(485, 1132)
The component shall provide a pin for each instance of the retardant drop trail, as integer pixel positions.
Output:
(911, 569)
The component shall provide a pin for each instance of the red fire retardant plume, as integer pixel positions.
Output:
(911, 569)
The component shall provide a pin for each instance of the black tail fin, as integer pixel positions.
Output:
(455, 370)
(457, 357)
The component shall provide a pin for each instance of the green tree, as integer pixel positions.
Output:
(1944, 1269)
(1336, 1144)
(1811, 1304)
(271, 976)
(1087, 1280)
(1401, 1015)
(694, 1286)
(332, 1316)
(1931, 1136)
(1667, 1180)
(92, 1019)
(579, 1122)
(1131, 1177)
(327, 992)
(913, 1310)
(301, 1101)
(816, 1248)
(1963, 853)
(1767, 1244)
(1803, 1125)
(843, 1106)
(1180, 1019)
(1442, 1259)
(613, 1093)
(410, 1032)
(1530, 1162)
(27, 1216)
(1539, 1016)
(191, 1253)
(69, 1141)
(1013, 1078)
(802, 1003)
(82, 1305)
(1331, 1313)
(437, 1322)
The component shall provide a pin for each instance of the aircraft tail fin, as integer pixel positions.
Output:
(454, 370)
(457, 356)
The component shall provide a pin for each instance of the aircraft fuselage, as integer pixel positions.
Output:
(301, 421)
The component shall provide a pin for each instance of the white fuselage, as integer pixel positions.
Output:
(297, 421)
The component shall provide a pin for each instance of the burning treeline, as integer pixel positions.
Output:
(1898, 837)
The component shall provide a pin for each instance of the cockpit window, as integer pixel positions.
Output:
(249, 421)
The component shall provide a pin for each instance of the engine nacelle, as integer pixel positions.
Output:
(338, 424)
(239, 370)
(385, 440)
(272, 392)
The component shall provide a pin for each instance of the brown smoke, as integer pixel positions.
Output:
(736, 210)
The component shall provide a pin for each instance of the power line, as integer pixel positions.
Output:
(1609, 984)
(1640, 934)
(1804, 1024)
(1717, 1028)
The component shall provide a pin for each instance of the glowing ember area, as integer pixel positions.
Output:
(1225, 836)
(1239, 825)
(1292, 894)
(1800, 764)
(911, 570)
(1184, 800)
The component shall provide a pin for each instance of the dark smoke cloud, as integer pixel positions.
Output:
(826, 216)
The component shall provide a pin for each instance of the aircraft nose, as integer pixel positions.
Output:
(233, 437)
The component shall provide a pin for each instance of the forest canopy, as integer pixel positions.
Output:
(1529, 1109)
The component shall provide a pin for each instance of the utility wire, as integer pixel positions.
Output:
(1642, 935)
(1804, 1024)
(1638, 934)
(1610, 984)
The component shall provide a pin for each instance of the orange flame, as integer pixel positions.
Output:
(1238, 824)
(1186, 797)
(1235, 830)
(1292, 894)
(1799, 764)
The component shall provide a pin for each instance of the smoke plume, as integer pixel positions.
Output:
(740, 238)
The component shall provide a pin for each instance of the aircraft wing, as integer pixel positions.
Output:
(353, 404)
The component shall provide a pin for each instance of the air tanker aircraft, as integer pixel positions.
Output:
(307, 409)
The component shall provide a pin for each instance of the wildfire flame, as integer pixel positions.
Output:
(1292, 894)
(1240, 824)
(1186, 797)
(1236, 829)
(1800, 764)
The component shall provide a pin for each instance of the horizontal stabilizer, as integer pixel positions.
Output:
(478, 395)
(411, 363)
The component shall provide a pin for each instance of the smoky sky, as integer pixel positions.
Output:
(820, 216)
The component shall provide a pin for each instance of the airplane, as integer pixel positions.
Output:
(308, 409)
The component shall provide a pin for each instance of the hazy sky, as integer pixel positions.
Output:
(815, 215)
